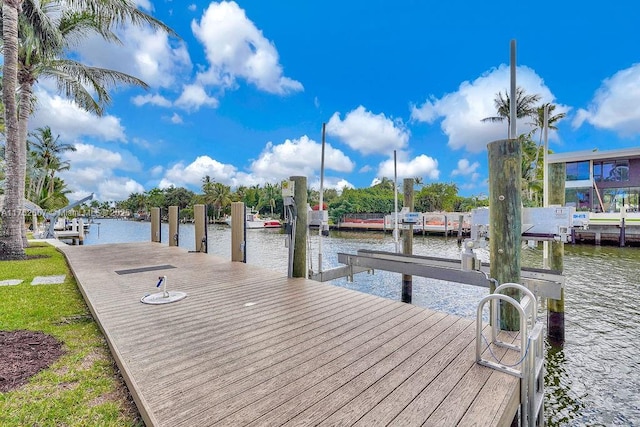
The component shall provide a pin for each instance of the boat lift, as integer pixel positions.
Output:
(53, 216)
(551, 224)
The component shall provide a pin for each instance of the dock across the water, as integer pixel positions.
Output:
(249, 346)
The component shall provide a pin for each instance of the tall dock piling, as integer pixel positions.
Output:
(200, 222)
(238, 241)
(407, 240)
(555, 308)
(155, 225)
(505, 219)
(300, 249)
(174, 239)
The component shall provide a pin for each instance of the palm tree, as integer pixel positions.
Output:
(11, 243)
(44, 41)
(525, 107)
(221, 197)
(47, 151)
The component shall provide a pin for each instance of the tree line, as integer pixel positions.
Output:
(267, 200)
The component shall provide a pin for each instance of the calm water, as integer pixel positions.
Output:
(593, 380)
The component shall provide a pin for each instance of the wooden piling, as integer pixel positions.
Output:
(155, 225)
(238, 244)
(300, 248)
(174, 239)
(80, 225)
(407, 240)
(555, 308)
(200, 222)
(505, 219)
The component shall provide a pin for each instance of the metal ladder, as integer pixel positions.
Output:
(530, 367)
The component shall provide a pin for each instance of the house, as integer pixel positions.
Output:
(601, 181)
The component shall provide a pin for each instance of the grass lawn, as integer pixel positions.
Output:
(83, 387)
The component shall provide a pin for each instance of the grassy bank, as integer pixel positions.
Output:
(83, 387)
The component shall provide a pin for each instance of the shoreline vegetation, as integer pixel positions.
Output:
(83, 386)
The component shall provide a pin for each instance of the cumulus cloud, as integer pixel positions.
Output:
(181, 175)
(193, 97)
(92, 156)
(153, 99)
(616, 104)
(146, 53)
(298, 157)
(368, 133)
(176, 119)
(235, 48)
(465, 168)
(71, 122)
(462, 111)
(420, 166)
(93, 170)
(275, 163)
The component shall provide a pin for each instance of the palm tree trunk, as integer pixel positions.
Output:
(11, 245)
(24, 111)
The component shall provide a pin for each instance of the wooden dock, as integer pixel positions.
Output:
(248, 346)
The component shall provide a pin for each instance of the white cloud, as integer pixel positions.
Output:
(193, 97)
(616, 104)
(176, 119)
(118, 188)
(71, 122)
(145, 53)
(465, 168)
(192, 7)
(93, 171)
(463, 110)
(368, 133)
(153, 99)
(180, 175)
(420, 166)
(298, 157)
(236, 48)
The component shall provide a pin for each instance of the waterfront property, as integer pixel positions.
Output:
(604, 188)
(249, 346)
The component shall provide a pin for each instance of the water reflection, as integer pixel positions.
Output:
(593, 380)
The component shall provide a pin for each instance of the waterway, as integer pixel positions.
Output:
(594, 379)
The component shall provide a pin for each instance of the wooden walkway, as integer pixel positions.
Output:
(249, 346)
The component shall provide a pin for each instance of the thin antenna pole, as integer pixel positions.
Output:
(512, 102)
(321, 207)
(395, 201)
(545, 178)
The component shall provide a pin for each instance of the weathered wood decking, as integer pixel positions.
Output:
(250, 347)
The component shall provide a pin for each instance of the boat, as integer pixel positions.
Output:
(254, 221)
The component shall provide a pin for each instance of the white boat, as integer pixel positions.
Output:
(254, 221)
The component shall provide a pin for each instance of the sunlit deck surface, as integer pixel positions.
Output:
(248, 346)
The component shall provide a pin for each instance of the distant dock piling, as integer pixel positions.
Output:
(156, 230)
(238, 241)
(174, 235)
(200, 219)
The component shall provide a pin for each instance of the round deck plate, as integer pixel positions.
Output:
(160, 298)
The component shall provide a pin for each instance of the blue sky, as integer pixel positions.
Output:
(242, 95)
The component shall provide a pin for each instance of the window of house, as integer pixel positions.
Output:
(611, 170)
(577, 171)
(579, 198)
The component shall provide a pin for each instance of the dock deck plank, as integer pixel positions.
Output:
(249, 346)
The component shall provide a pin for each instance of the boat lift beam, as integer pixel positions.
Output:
(542, 282)
(53, 216)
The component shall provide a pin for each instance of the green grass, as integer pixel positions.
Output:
(82, 388)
